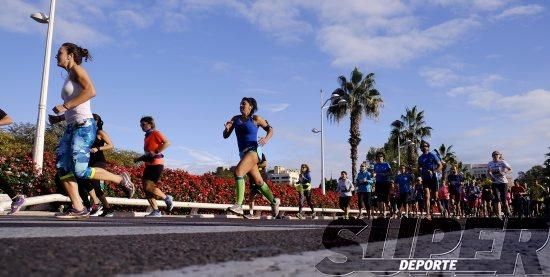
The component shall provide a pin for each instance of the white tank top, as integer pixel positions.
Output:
(79, 113)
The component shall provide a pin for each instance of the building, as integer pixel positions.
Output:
(282, 175)
(479, 171)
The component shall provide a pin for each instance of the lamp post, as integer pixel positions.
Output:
(316, 131)
(38, 148)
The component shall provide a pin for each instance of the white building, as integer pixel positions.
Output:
(477, 170)
(282, 175)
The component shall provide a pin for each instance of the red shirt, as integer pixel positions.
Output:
(517, 191)
(443, 192)
(152, 144)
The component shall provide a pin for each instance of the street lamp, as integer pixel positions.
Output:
(38, 148)
(334, 96)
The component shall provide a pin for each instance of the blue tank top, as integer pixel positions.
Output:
(247, 133)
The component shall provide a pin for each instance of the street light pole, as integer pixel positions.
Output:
(322, 131)
(38, 148)
(398, 152)
(322, 147)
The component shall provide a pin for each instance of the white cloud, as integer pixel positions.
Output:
(349, 47)
(520, 11)
(532, 104)
(279, 18)
(261, 91)
(476, 132)
(274, 108)
(438, 77)
(127, 20)
(79, 33)
(529, 105)
(202, 157)
(474, 5)
(15, 16)
(220, 67)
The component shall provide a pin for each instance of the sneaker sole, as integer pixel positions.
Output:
(235, 212)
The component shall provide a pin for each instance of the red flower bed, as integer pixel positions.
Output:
(206, 188)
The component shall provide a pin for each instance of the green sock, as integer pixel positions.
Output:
(240, 189)
(264, 189)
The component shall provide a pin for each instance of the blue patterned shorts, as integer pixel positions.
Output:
(73, 152)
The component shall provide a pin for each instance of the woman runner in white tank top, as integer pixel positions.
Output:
(73, 152)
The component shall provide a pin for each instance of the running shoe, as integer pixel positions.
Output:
(96, 209)
(74, 214)
(128, 185)
(154, 213)
(275, 206)
(300, 216)
(313, 215)
(236, 209)
(17, 203)
(107, 213)
(169, 202)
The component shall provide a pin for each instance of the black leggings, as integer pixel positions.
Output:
(7, 188)
(84, 188)
(305, 195)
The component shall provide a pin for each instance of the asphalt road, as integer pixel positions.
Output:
(175, 246)
(43, 246)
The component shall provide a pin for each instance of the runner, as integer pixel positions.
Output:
(497, 170)
(73, 152)
(97, 159)
(474, 197)
(486, 200)
(419, 194)
(92, 187)
(444, 197)
(518, 199)
(404, 179)
(455, 181)
(428, 165)
(364, 190)
(382, 174)
(537, 198)
(250, 151)
(254, 189)
(345, 188)
(303, 186)
(154, 144)
(17, 200)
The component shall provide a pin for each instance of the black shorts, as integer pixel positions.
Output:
(499, 192)
(403, 197)
(344, 202)
(383, 191)
(431, 183)
(153, 172)
(454, 193)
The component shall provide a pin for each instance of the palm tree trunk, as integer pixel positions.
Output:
(354, 139)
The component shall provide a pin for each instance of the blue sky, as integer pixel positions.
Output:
(479, 69)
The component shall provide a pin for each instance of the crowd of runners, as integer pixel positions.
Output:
(81, 163)
(446, 194)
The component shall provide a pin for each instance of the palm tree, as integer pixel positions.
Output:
(413, 128)
(361, 98)
(447, 156)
